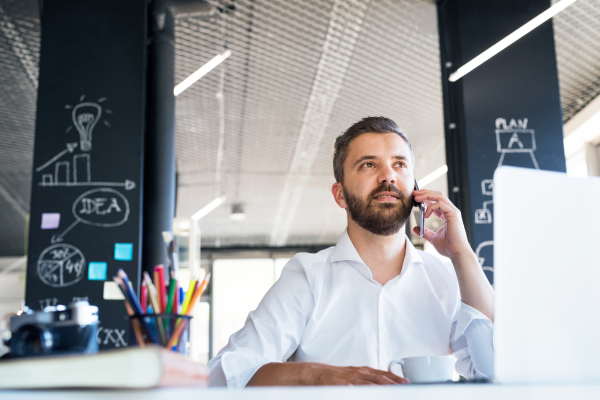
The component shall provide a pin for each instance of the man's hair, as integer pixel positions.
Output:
(365, 125)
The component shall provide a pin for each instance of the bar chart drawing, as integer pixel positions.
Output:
(81, 168)
(81, 165)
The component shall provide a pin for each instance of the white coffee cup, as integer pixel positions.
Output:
(424, 369)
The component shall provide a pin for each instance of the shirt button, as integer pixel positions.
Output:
(384, 329)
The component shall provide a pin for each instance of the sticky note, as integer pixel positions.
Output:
(50, 220)
(112, 291)
(97, 271)
(123, 251)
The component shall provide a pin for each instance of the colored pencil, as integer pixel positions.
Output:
(171, 296)
(157, 289)
(144, 297)
(162, 289)
(156, 306)
(151, 293)
(135, 324)
(188, 296)
(181, 326)
(121, 285)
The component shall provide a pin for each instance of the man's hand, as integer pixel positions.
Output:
(451, 239)
(301, 373)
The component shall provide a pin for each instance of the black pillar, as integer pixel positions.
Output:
(159, 168)
(505, 112)
(86, 193)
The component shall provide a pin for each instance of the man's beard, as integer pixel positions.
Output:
(385, 218)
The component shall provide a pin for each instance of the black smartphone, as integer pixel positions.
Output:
(421, 205)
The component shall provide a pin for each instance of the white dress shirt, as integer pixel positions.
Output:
(327, 308)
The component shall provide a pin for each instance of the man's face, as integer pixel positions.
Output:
(378, 182)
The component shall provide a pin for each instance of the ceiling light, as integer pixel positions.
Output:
(203, 70)
(237, 212)
(510, 39)
(184, 225)
(208, 208)
(433, 176)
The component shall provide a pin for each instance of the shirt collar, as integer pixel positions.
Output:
(344, 250)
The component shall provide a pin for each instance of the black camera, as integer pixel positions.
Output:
(56, 330)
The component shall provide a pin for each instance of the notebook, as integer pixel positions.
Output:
(130, 368)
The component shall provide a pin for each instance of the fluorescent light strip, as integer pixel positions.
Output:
(208, 208)
(203, 70)
(432, 176)
(510, 39)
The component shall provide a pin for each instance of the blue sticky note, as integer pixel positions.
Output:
(50, 220)
(123, 251)
(97, 271)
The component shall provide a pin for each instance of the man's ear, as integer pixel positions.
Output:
(338, 194)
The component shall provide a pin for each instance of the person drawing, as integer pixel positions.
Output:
(340, 316)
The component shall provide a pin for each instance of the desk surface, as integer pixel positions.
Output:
(419, 392)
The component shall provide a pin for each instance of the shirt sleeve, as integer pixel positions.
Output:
(471, 341)
(272, 332)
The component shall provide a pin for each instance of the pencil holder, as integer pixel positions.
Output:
(168, 330)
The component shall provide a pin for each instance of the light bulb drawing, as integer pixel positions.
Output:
(85, 116)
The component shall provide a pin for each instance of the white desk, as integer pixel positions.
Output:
(419, 392)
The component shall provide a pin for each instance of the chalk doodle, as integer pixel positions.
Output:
(103, 207)
(111, 336)
(512, 137)
(77, 172)
(61, 265)
(49, 302)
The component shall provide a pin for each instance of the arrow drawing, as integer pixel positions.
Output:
(69, 149)
(128, 185)
(59, 238)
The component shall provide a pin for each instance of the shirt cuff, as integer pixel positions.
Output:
(466, 315)
(240, 368)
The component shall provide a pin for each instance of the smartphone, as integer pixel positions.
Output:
(421, 219)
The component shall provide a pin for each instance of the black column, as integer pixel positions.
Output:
(505, 112)
(86, 193)
(159, 168)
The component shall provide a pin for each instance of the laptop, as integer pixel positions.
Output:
(546, 277)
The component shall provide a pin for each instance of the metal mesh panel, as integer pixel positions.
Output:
(577, 37)
(19, 54)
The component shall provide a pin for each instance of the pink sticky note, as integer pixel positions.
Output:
(50, 220)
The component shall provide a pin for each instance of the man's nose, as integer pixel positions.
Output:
(387, 174)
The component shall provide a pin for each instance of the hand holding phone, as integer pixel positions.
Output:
(421, 219)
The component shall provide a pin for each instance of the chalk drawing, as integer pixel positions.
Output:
(103, 207)
(127, 184)
(84, 116)
(69, 149)
(83, 298)
(50, 302)
(61, 265)
(511, 137)
(484, 215)
(112, 336)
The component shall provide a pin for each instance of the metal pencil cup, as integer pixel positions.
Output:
(159, 328)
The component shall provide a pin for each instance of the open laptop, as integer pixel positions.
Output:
(546, 277)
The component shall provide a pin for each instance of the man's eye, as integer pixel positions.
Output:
(401, 164)
(368, 164)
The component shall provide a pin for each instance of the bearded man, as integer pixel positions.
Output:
(340, 316)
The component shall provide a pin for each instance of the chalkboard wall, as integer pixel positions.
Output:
(86, 198)
(505, 112)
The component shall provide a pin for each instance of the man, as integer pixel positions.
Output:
(343, 314)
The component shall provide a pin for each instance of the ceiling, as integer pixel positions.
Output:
(300, 73)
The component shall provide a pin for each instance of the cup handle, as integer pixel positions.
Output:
(399, 362)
